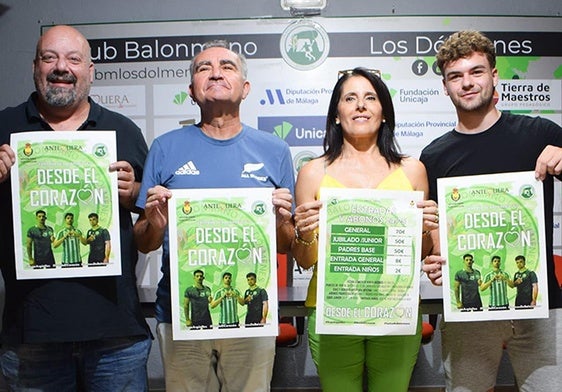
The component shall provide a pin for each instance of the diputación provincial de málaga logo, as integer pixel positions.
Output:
(304, 45)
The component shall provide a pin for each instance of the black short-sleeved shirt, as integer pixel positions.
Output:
(97, 246)
(41, 238)
(199, 302)
(525, 288)
(255, 306)
(512, 144)
(80, 309)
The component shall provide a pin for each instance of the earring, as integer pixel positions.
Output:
(383, 120)
(337, 121)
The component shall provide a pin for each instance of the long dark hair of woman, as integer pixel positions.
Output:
(386, 142)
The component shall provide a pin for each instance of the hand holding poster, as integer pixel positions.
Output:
(65, 204)
(369, 255)
(492, 234)
(223, 263)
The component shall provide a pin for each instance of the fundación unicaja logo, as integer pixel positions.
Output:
(304, 45)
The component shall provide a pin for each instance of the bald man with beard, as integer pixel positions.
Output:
(72, 334)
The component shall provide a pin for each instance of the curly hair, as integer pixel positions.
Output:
(462, 44)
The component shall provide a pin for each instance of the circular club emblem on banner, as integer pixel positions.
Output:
(302, 158)
(304, 45)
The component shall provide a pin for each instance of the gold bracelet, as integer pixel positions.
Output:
(304, 242)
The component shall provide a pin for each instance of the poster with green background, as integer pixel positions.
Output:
(493, 236)
(218, 231)
(65, 204)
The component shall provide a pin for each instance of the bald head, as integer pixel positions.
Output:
(67, 36)
(62, 70)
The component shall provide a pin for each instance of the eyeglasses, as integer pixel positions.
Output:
(375, 72)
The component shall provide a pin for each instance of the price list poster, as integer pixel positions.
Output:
(368, 262)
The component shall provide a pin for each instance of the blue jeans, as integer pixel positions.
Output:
(109, 365)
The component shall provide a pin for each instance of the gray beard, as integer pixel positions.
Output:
(60, 97)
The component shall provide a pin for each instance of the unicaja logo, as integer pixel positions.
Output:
(282, 130)
(304, 45)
